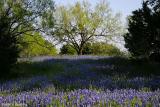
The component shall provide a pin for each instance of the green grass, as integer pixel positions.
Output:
(123, 70)
(128, 67)
(28, 69)
(122, 67)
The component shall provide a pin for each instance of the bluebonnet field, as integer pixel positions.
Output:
(84, 81)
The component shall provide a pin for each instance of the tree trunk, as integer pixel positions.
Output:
(79, 48)
(80, 51)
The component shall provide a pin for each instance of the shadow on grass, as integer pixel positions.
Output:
(102, 72)
(29, 69)
(109, 66)
(128, 67)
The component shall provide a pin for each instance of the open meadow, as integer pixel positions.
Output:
(82, 81)
(79, 53)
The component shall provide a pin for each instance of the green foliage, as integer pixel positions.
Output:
(143, 37)
(81, 23)
(17, 17)
(28, 69)
(97, 48)
(88, 49)
(105, 49)
(36, 46)
(67, 49)
(8, 47)
(135, 41)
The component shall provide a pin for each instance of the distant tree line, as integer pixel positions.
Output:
(97, 48)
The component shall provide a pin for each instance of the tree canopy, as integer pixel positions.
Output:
(96, 48)
(36, 45)
(155, 4)
(18, 17)
(143, 37)
(81, 23)
(67, 49)
(23, 15)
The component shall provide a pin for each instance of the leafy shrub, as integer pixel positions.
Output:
(100, 48)
(68, 49)
(87, 49)
(97, 48)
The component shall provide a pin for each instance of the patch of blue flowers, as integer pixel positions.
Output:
(79, 86)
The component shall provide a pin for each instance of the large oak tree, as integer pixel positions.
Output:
(81, 23)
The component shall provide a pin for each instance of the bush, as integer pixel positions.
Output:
(97, 48)
(87, 49)
(101, 48)
(67, 49)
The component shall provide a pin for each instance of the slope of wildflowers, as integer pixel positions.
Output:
(84, 82)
